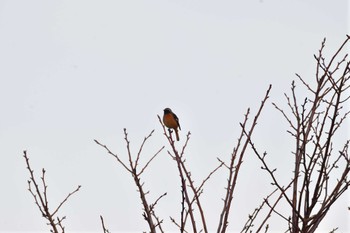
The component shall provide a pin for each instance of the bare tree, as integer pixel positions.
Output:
(321, 166)
(41, 199)
(321, 171)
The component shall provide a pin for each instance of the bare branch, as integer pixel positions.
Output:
(66, 199)
(114, 155)
(105, 230)
(149, 161)
(149, 213)
(234, 167)
(41, 199)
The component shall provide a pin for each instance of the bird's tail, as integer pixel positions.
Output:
(177, 135)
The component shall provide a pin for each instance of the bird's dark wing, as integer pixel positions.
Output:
(177, 120)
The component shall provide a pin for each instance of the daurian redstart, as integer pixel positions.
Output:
(171, 121)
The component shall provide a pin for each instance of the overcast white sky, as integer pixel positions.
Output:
(74, 71)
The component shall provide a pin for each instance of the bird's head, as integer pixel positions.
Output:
(167, 110)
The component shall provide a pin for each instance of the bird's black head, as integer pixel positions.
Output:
(167, 110)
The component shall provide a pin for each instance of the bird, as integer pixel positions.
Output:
(171, 121)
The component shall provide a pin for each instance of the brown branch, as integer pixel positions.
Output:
(105, 230)
(141, 147)
(229, 187)
(317, 120)
(252, 217)
(186, 179)
(183, 174)
(114, 155)
(152, 206)
(68, 196)
(178, 225)
(149, 161)
(235, 167)
(41, 198)
(149, 213)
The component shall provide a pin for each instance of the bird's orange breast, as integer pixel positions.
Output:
(169, 121)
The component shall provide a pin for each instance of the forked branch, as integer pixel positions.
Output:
(132, 167)
(40, 196)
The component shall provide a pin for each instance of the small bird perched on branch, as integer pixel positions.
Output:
(171, 121)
